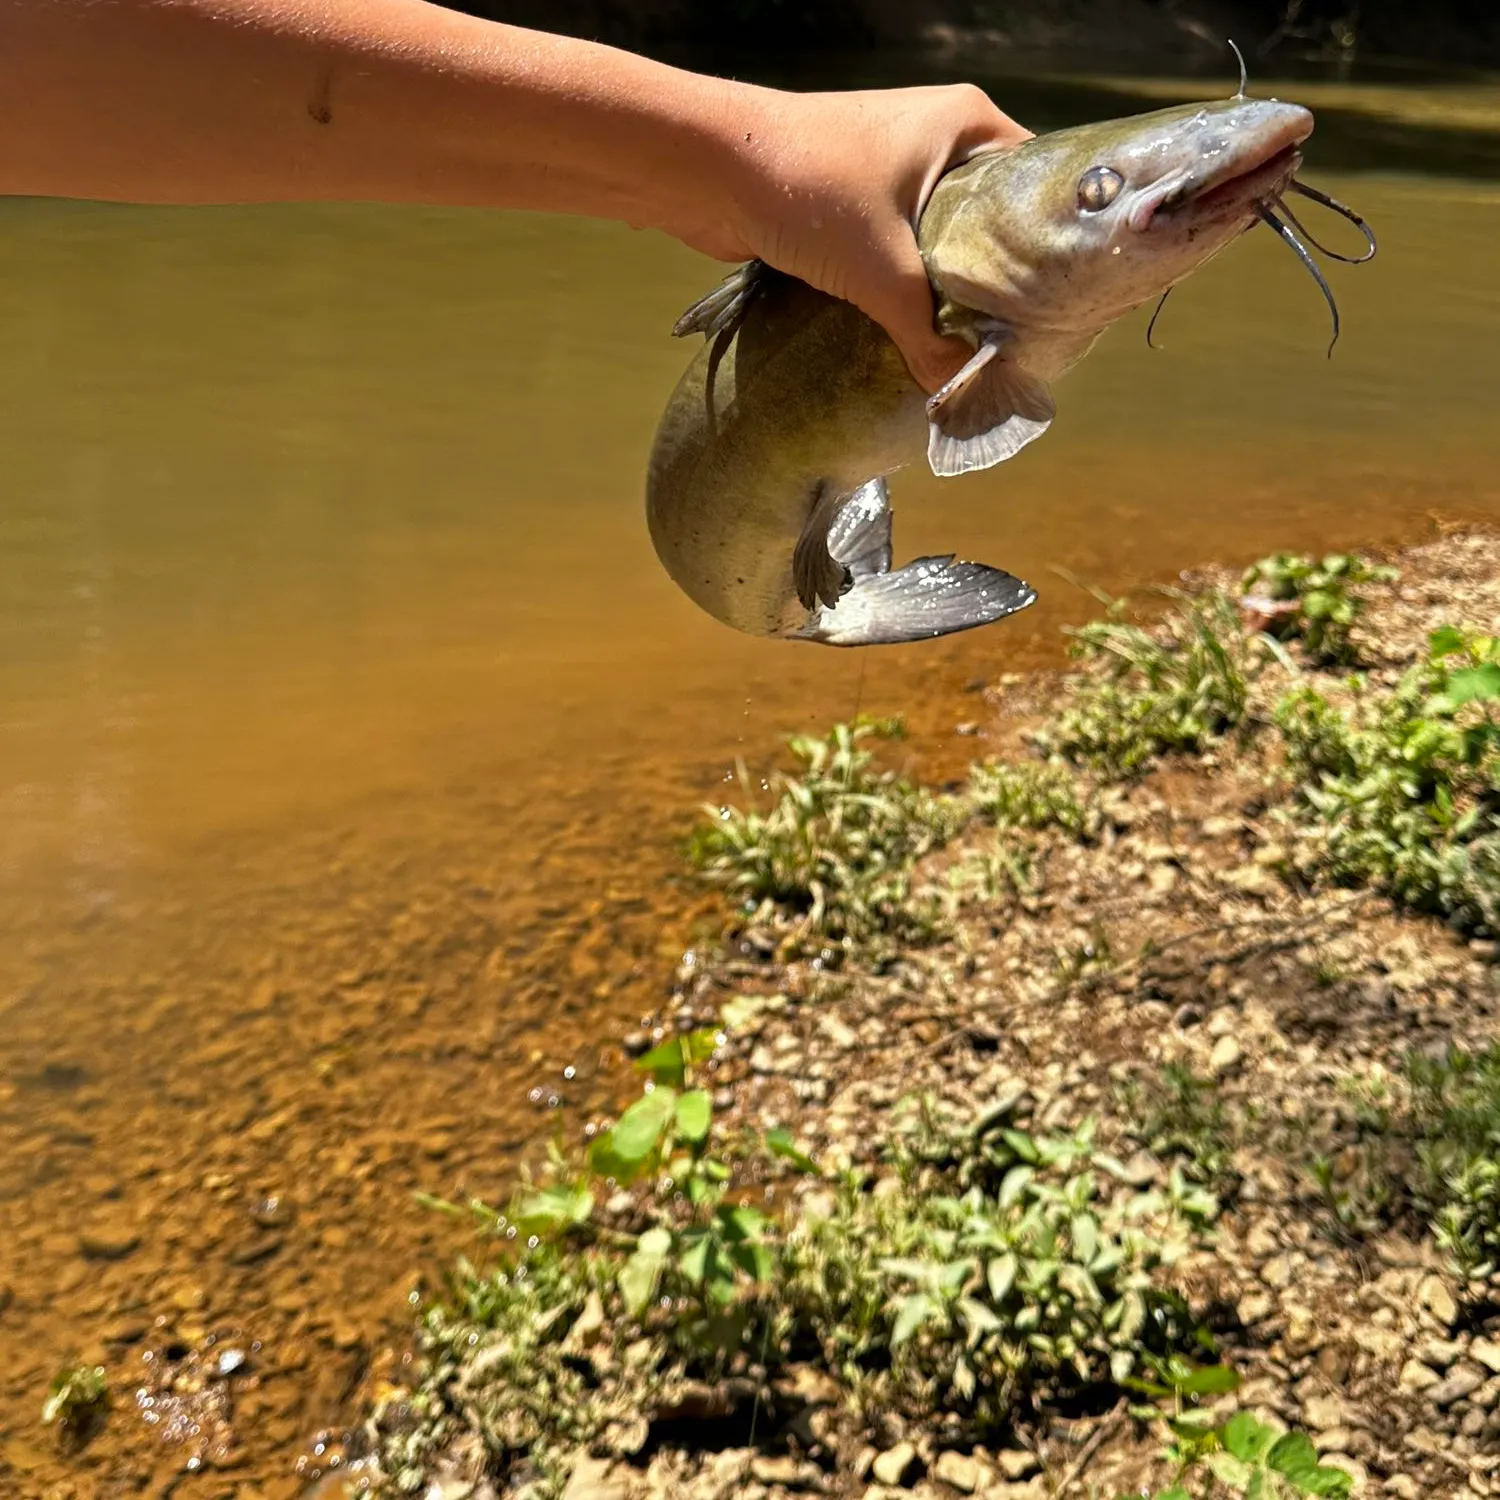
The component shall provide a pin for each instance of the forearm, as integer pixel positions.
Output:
(201, 101)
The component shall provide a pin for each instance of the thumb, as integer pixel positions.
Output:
(899, 297)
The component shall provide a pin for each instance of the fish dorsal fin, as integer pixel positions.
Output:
(987, 413)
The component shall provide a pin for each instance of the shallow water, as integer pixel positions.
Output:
(347, 721)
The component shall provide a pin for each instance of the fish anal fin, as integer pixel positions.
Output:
(987, 413)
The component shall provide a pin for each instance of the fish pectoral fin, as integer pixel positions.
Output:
(725, 306)
(818, 576)
(987, 413)
(930, 597)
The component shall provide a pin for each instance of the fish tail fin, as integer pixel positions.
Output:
(930, 597)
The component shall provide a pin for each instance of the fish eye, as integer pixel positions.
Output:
(1098, 188)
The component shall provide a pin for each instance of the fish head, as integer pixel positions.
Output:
(1071, 230)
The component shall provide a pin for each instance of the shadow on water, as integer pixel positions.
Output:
(347, 722)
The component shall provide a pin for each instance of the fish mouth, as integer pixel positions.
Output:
(1237, 185)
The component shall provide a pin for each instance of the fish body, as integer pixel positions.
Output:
(766, 495)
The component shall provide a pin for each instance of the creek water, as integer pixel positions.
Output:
(347, 721)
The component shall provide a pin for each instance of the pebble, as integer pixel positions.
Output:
(1277, 1272)
(591, 1480)
(1487, 1352)
(1439, 1353)
(892, 1467)
(1262, 1241)
(1403, 1487)
(1225, 1057)
(1463, 1381)
(109, 1238)
(1255, 1307)
(791, 1473)
(1415, 1376)
(1433, 1294)
(1017, 1463)
(1324, 1413)
(845, 1038)
(963, 1472)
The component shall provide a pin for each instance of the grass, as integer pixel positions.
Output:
(1142, 693)
(831, 861)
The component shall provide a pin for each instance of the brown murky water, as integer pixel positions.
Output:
(347, 721)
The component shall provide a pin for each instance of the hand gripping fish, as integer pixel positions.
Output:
(766, 496)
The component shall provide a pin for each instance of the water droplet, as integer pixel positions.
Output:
(570, 1072)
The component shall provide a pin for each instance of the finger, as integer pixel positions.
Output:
(898, 295)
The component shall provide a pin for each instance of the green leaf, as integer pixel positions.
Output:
(1001, 1275)
(1085, 1233)
(1474, 684)
(1296, 1460)
(1247, 1438)
(639, 1130)
(1014, 1184)
(695, 1114)
(780, 1142)
(1022, 1144)
(667, 1064)
(699, 1046)
(694, 1261)
(551, 1209)
(1445, 641)
(1230, 1469)
(440, 1205)
(915, 1310)
(641, 1274)
(743, 1222)
(1210, 1380)
(977, 1317)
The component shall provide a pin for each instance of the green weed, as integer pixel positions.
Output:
(1321, 609)
(992, 1263)
(1402, 791)
(76, 1401)
(1246, 1456)
(832, 859)
(1179, 1116)
(1142, 694)
(1032, 794)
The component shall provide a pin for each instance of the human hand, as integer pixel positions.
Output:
(829, 187)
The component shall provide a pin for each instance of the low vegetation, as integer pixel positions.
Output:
(77, 1401)
(956, 1261)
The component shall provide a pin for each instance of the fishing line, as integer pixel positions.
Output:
(859, 691)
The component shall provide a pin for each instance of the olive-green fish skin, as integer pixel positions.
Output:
(765, 495)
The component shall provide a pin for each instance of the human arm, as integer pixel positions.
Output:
(215, 101)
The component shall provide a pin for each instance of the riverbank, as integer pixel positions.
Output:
(1121, 1112)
